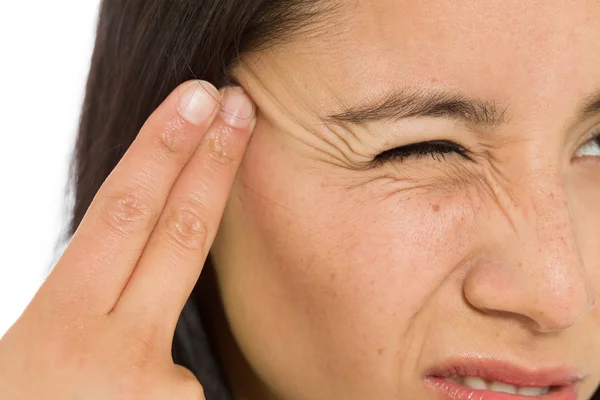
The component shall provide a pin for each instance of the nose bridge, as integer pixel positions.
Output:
(561, 291)
(540, 259)
(548, 226)
(547, 221)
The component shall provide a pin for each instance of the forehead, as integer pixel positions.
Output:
(531, 49)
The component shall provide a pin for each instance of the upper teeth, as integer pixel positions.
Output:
(494, 386)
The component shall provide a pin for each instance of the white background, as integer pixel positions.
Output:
(45, 50)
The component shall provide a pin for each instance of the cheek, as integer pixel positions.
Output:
(340, 270)
(584, 201)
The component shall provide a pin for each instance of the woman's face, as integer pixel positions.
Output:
(344, 278)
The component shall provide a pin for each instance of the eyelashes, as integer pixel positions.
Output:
(437, 149)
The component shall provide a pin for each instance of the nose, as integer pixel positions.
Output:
(532, 269)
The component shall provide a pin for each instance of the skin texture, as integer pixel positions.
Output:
(350, 282)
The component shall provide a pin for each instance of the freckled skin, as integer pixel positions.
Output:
(345, 283)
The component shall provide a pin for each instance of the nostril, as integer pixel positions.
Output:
(572, 315)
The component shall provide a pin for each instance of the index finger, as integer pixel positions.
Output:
(105, 249)
(176, 251)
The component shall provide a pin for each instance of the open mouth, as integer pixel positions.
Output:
(460, 387)
(479, 379)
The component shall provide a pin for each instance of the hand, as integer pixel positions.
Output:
(102, 324)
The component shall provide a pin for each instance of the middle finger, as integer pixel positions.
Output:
(177, 249)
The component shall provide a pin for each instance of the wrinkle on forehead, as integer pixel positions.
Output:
(513, 52)
(449, 44)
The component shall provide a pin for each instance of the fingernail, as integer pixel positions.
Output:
(198, 102)
(237, 109)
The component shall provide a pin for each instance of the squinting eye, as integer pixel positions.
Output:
(437, 149)
(590, 149)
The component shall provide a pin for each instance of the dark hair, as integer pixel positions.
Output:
(143, 50)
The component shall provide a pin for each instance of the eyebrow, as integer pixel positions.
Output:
(591, 106)
(401, 104)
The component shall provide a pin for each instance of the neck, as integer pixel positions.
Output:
(242, 380)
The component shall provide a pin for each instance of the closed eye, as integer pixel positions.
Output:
(437, 149)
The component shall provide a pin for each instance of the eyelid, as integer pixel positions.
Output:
(590, 136)
(422, 149)
(593, 134)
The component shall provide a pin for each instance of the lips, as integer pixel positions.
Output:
(454, 391)
(446, 379)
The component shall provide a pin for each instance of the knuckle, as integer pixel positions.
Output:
(220, 147)
(186, 227)
(171, 138)
(143, 344)
(69, 344)
(126, 212)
